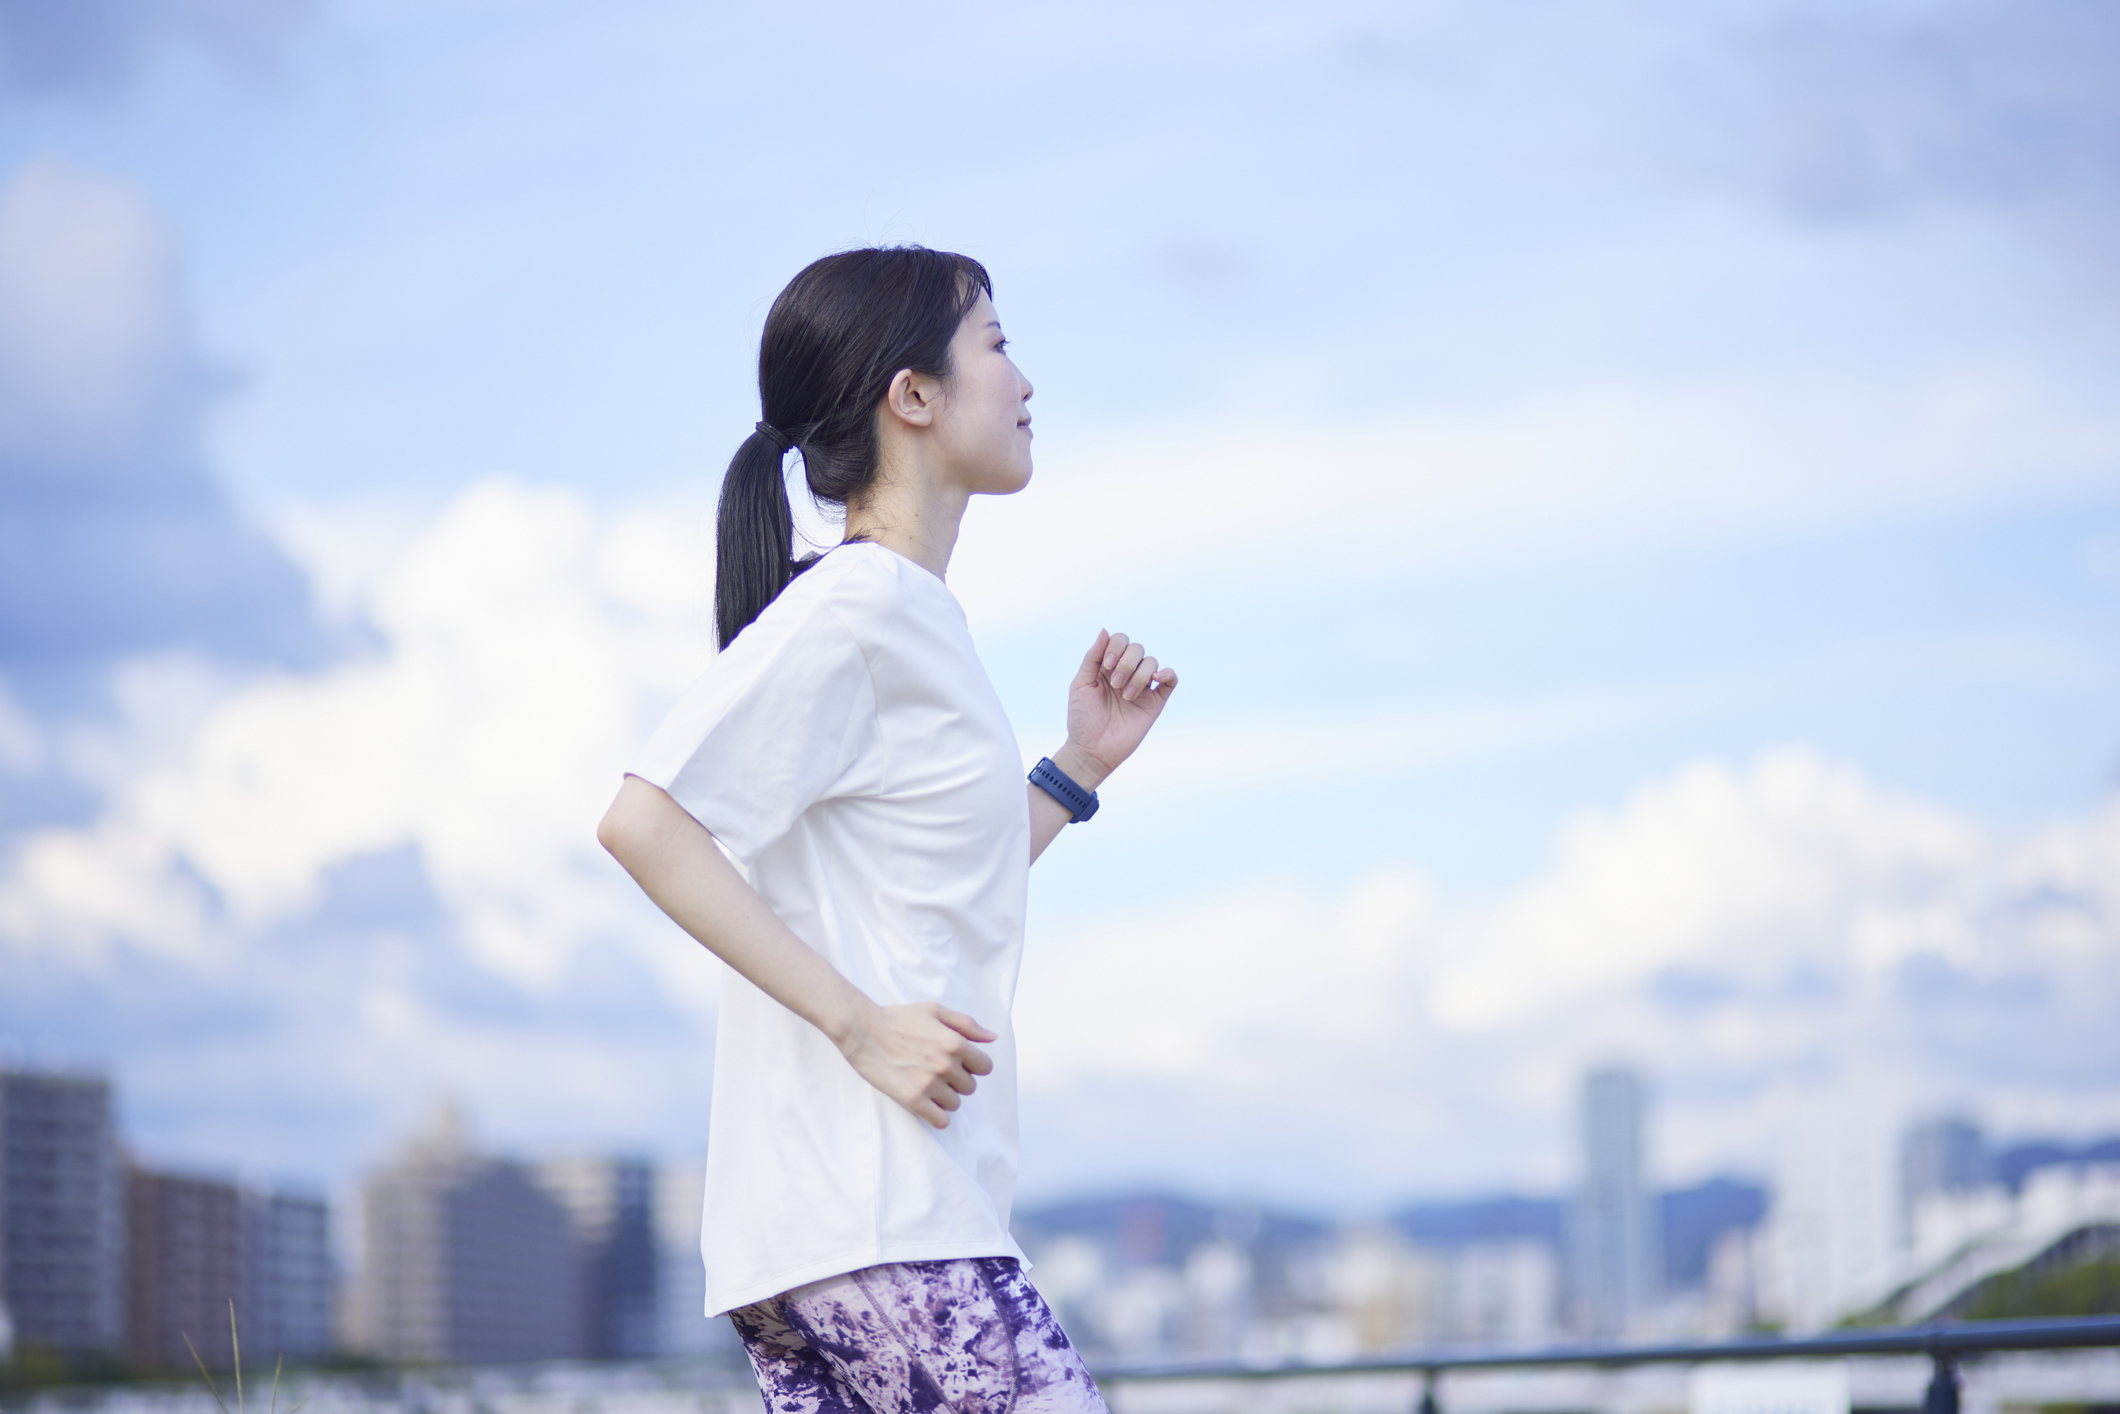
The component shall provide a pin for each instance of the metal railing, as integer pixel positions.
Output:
(1944, 1343)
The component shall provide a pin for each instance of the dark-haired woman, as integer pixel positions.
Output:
(847, 748)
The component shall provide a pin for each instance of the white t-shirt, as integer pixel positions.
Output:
(849, 749)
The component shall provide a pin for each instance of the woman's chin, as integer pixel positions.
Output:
(1006, 482)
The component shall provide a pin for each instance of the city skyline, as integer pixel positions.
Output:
(452, 1253)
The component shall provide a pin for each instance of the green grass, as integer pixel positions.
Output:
(235, 1348)
(2092, 1289)
(37, 1366)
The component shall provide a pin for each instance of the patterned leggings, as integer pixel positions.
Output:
(970, 1336)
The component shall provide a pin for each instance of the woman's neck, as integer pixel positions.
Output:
(915, 515)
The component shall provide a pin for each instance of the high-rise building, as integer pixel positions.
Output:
(287, 1276)
(1613, 1247)
(1500, 1293)
(682, 1327)
(62, 1212)
(464, 1258)
(610, 1205)
(195, 1244)
(186, 1267)
(1831, 1242)
(1944, 1154)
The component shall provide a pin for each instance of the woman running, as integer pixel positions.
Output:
(848, 750)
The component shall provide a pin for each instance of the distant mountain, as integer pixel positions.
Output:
(1502, 1218)
(2013, 1165)
(1160, 1228)
(1694, 1217)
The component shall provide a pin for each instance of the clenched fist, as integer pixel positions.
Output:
(921, 1055)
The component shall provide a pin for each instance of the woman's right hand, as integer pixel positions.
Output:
(920, 1054)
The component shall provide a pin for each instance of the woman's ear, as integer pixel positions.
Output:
(913, 397)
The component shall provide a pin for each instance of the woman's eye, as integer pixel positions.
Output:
(1001, 346)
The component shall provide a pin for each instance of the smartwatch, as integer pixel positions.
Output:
(1080, 803)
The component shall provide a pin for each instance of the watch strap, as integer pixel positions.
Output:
(1080, 803)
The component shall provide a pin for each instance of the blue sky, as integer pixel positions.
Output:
(1633, 491)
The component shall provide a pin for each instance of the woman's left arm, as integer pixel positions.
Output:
(1116, 696)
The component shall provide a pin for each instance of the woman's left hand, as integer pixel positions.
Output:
(1115, 698)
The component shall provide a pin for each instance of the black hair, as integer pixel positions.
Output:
(834, 340)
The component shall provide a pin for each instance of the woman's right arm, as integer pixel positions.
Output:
(921, 1055)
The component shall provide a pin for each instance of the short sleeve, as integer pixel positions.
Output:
(776, 724)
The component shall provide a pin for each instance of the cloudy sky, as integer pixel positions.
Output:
(1633, 490)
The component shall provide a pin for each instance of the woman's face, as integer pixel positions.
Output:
(984, 427)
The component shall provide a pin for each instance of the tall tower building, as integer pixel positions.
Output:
(610, 1204)
(195, 1243)
(185, 1254)
(287, 1275)
(682, 1327)
(1946, 1154)
(62, 1212)
(465, 1258)
(1833, 1234)
(1613, 1238)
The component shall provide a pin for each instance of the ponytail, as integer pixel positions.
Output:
(754, 536)
(834, 340)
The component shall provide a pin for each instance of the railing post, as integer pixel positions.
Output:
(1428, 1403)
(1942, 1397)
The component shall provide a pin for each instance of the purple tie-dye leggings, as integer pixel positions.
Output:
(970, 1337)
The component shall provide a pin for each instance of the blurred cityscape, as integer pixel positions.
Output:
(1679, 442)
(456, 1256)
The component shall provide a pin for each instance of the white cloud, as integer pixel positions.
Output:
(1187, 759)
(1585, 475)
(1220, 994)
(1742, 933)
(114, 539)
(523, 647)
(1746, 936)
(315, 902)
(80, 890)
(1797, 863)
(91, 331)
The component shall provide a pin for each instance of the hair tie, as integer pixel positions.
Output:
(777, 437)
